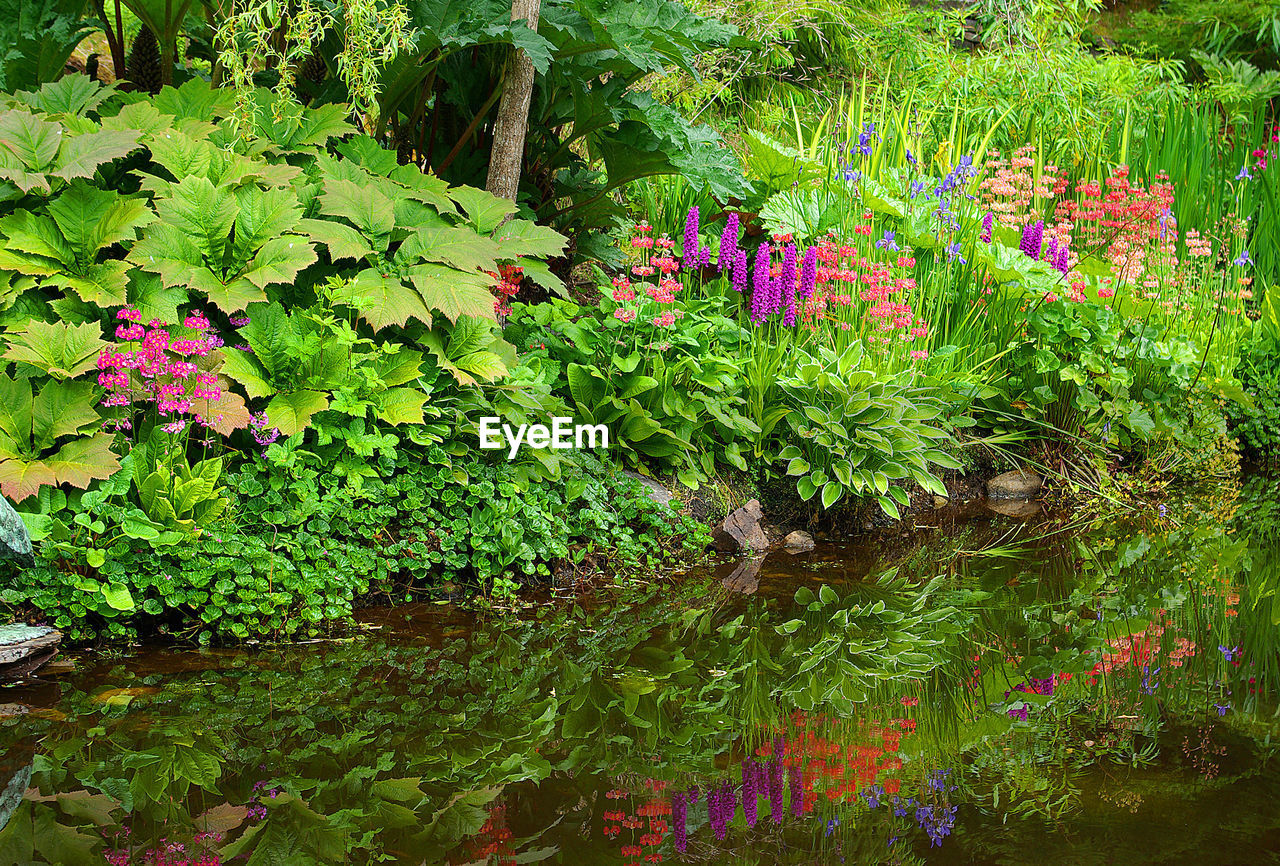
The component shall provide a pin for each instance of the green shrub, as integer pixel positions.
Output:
(301, 547)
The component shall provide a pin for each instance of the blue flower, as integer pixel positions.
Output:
(1243, 259)
(1229, 654)
(1222, 708)
(953, 253)
(1244, 173)
(887, 242)
(911, 157)
(917, 187)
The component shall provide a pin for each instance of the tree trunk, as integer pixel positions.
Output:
(507, 155)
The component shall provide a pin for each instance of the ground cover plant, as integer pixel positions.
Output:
(254, 301)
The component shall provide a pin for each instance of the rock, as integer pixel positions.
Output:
(745, 578)
(657, 492)
(1018, 484)
(26, 648)
(798, 542)
(741, 530)
(1019, 509)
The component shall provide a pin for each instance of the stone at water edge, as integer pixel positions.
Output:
(655, 490)
(1018, 484)
(741, 530)
(25, 648)
(798, 542)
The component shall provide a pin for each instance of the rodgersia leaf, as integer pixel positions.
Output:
(81, 155)
(366, 208)
(385, 300)
(202, 212)
(60, 349)
(458, 246)
(454, 293)
(484, 209)
(91, 218)
(279, 261)
(289, 413)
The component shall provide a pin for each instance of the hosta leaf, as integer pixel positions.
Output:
(279, 261)
(384, 301)
(518, 238)
(342, 241)
(453, 292)
(484, 209)
(400, 405)
(290, 413)
(61, 350)
(458, 246)
(81, 155)
(81, 461)
(368, 210)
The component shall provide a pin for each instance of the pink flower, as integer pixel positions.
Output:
(624, 315)
(196, 321)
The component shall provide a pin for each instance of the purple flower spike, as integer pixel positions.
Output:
(761, 287)
(740, 270)
(988, 224)
(690, 248)
(808, 273)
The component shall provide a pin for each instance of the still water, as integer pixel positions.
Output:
(984, 692)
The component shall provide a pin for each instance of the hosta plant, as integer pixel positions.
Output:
(855, 432)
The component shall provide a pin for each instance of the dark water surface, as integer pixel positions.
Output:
(980, 692)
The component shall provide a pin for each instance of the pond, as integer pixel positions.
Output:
(988, 692)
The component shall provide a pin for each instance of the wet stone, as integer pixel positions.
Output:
(1018, 484)
(741, 530)
(798, 542)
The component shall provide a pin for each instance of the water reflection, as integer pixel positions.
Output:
(1000, 696)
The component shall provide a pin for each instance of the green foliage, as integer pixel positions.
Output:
(1258, 426)
(299, 541)
(853, 431)
(38, 37)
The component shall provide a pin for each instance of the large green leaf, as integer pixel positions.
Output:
(60, 349)
(290, 413)
(459, 246)
(365, 207)
(454, 293)
(81, 155)
(384, 300)
(484, 209)
(90, 218)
